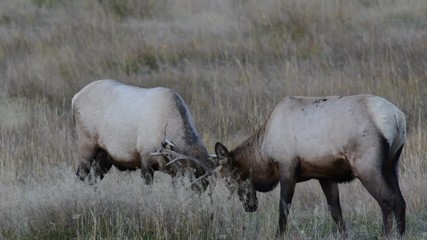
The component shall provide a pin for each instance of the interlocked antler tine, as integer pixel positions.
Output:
(160, 152)
(175, 157)
(201, 177)
(180, 156)
(175, 160)
(164, 145)
(157, 153)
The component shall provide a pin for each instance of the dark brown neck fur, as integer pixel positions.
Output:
(250, 162)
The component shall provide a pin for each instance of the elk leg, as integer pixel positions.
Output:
(374, 182)
(330, 189)
(287, 189)
(102, 163)
(399, 206)
(147, 174)
(87, 153)
(391, 178)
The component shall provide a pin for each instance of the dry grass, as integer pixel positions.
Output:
(232, 61)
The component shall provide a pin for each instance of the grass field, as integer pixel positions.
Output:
(232, 61)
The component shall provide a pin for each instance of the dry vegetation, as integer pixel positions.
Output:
(232, 61)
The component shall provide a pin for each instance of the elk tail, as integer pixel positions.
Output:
(398, 142)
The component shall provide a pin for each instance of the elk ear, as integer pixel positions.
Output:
(221, 151)
(223, 156)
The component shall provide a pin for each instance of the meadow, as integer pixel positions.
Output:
(231, 61)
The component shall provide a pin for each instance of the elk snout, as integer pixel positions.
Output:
(249, 199)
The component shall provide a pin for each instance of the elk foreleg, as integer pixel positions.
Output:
(102, 164)
(87, 152)
(287, 189)
(147, 175)
(330, 189)
(149, 164)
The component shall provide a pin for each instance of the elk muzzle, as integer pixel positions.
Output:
(248, 198)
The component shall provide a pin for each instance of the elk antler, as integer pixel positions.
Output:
(175, 157)
(168, 157)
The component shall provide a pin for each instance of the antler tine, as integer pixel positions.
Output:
(175, 157)
(157, 153)
(167, 141)
(175, 160)
(180, 156)
(160, 152)
(164, 147)
(199, 178)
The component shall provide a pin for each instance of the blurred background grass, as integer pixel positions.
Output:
(232, 61)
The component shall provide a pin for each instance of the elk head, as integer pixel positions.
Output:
(236, 178)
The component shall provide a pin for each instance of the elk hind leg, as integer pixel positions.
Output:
(330, 189)
(391, 178)
(375, 183)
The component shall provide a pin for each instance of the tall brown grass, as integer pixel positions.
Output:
(232, 61)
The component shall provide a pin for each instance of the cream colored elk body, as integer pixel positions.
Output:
(122, 125)
(332, 139)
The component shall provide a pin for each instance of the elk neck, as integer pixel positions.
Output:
(249, 161)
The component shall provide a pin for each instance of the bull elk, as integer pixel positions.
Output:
(332, 139)
(123, 125)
